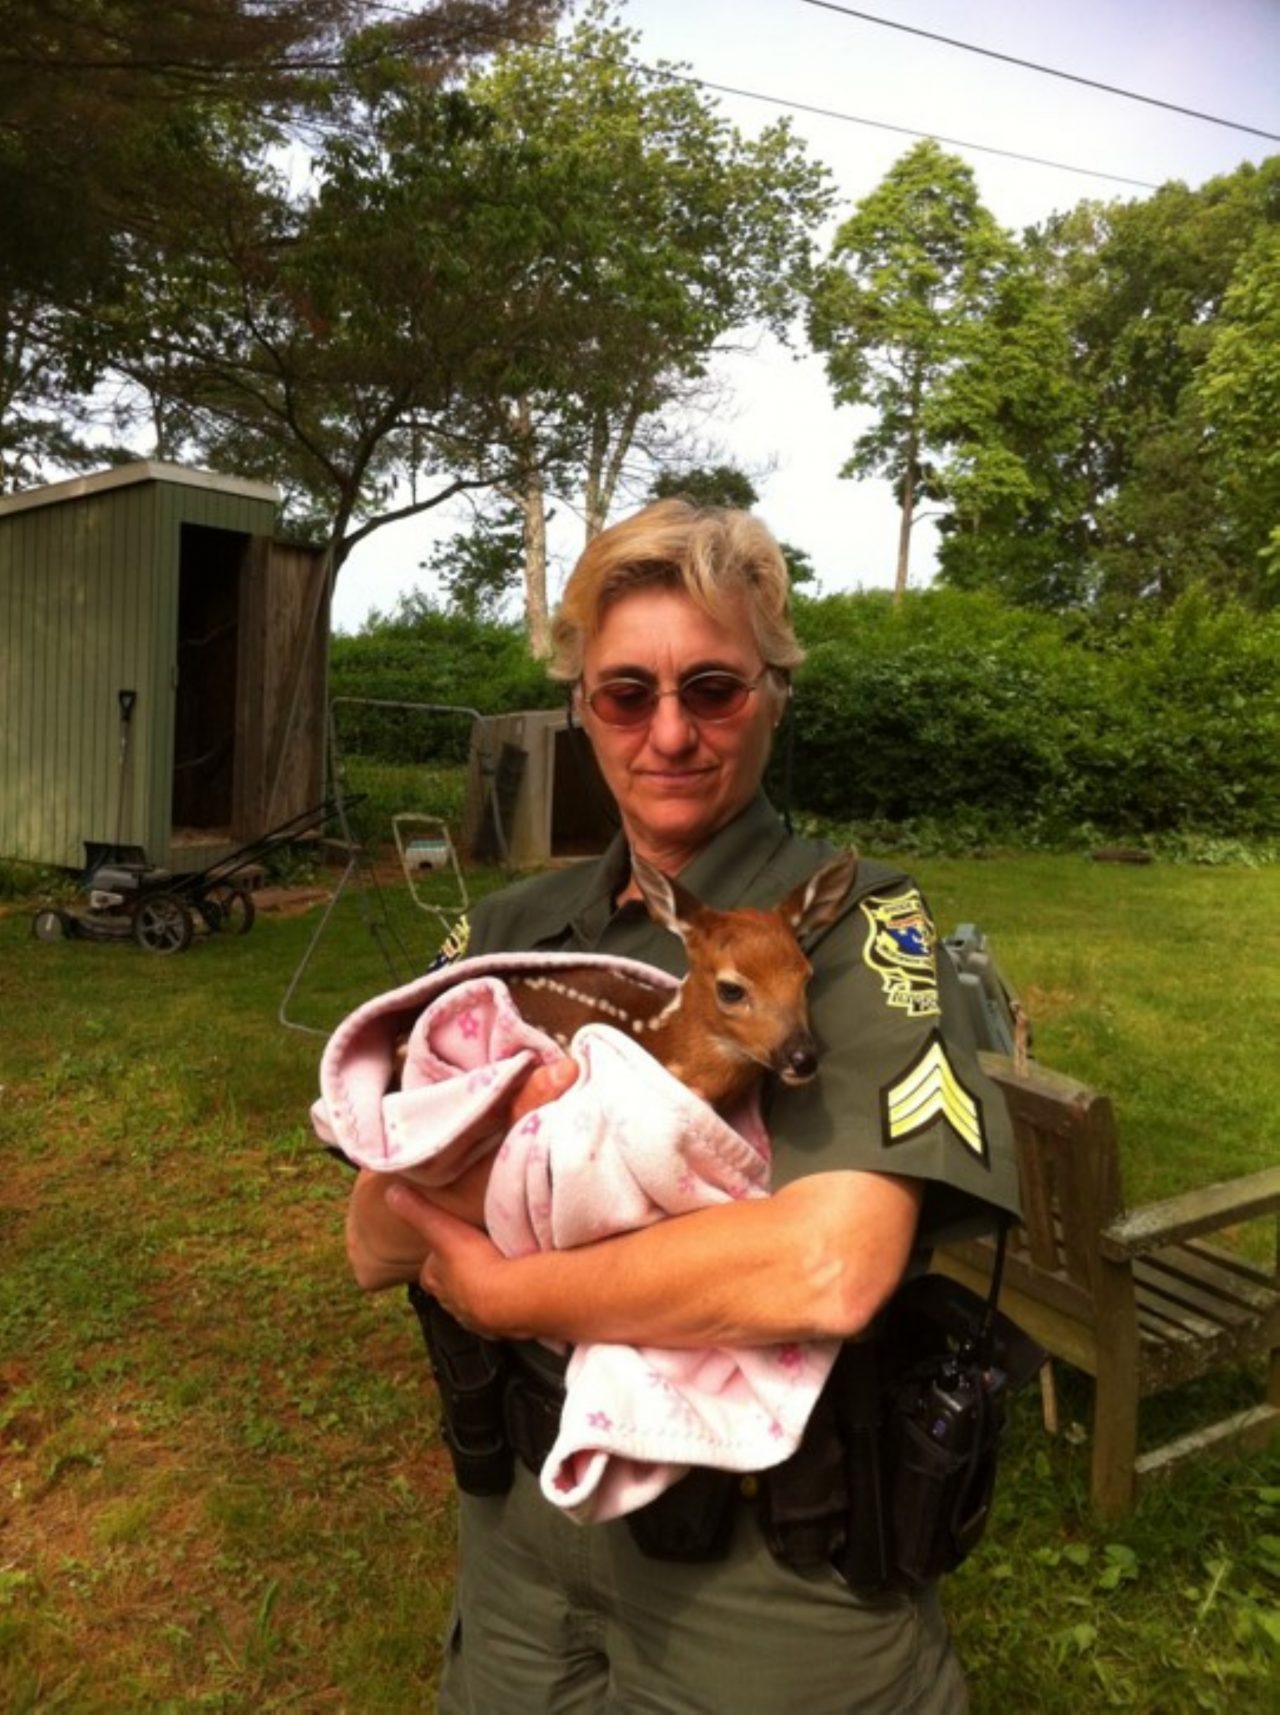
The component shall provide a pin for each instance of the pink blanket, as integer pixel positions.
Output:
(625, 1146)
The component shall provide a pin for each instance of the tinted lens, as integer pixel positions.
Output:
(705, 697)
(623, 702)
(714, 696)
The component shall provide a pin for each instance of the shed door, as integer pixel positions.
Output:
(204, 740)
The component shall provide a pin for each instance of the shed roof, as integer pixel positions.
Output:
(123, 476)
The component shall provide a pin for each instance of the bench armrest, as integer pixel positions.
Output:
(1203, 1210)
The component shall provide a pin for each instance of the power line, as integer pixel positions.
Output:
(1048, 71)
(905, 130)
(556, 46)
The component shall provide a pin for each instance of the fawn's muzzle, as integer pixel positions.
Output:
(798, 1060)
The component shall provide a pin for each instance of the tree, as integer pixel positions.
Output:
(1143, 288)
(721, 485)
(348, 342)
(910, 273)
(1006, 419)
(665, 232)
(478, 568)
(127, 133)
(1237, 394)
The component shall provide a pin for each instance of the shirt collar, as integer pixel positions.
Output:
(722, 875)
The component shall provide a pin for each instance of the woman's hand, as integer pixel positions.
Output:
(385, 1249)
(461, 1265)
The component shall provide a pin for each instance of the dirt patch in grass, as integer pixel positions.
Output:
(290, 901)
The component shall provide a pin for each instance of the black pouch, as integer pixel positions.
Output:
(941, 1443)
(803, 1505)
(532, 1412)
(690, 1521)
(471, 1374)
(949, 1362)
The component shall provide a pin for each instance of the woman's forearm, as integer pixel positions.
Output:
(817, 1260)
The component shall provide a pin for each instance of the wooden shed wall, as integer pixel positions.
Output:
(280, 774)
(88, 606)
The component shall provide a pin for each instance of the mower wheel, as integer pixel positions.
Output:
(228, 910)
(49, 925)
(162, 924)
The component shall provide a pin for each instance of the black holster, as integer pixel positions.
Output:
(472, 1376)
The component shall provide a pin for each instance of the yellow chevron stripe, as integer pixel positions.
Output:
(931, 1090)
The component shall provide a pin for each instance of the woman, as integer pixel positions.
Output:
(674, 633)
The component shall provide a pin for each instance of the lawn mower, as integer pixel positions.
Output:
(128, 898)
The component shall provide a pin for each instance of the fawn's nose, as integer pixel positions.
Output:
(799, 1060)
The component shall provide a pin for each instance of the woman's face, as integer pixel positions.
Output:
(677, 780)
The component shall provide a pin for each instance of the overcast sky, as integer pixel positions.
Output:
(1220, 57)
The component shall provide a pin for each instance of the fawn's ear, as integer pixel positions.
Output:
(669, 904)
(816, 903)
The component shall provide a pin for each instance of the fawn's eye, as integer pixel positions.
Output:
(730, 994)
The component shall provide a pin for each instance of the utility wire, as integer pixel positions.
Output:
(560, 47)
(1048, 71)
(904, 130)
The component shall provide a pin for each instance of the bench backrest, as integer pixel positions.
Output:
(1068, 1169)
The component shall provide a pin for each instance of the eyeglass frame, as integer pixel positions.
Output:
(677, 691)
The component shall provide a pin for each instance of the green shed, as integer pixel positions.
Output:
(162, 666)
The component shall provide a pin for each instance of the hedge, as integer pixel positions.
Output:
(952, 707)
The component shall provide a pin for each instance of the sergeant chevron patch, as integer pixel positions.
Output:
(930, 1090)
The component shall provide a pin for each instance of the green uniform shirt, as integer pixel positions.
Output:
(898, 1089)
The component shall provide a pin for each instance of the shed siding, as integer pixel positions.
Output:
(88, 601)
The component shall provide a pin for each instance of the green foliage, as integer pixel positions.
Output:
(479, 568)
(660, 229)
(1016, 728)
(1146, 445)
(1237, 392)
(421, 654)
(34, 881)
(719, 485)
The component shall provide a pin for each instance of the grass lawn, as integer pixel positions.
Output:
(219, 1483)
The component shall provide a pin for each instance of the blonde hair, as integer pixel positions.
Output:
(711, 553)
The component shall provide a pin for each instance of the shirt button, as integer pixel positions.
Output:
(749, 1487)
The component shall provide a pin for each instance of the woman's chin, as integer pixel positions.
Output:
(684, 818)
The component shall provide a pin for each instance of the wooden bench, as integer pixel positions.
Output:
(1137, 1300)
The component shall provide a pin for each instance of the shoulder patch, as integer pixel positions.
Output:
(930, 1090)
(901, 948)
(454, 945)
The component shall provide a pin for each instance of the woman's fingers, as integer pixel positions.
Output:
(459, 1260)
(543, 1085)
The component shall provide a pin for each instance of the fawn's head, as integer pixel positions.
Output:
(744, 998)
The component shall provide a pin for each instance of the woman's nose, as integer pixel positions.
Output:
(670, 728)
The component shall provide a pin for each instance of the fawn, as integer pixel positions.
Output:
(741, 1010)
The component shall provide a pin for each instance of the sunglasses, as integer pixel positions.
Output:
(708, 697)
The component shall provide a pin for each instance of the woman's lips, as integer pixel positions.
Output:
(677, 780)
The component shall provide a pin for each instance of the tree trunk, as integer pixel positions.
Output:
(604, 469)
(595, 505)
(533, 507)
(531, 498)
(906, 519)
(904, 537)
